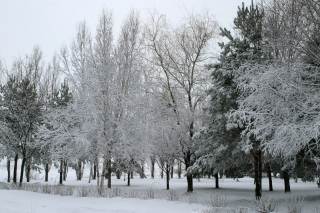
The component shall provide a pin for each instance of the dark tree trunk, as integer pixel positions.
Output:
(22, 170)
(168, 175)
(109, 174)
(260, 170)
(94, 172)
(15, 169)
(190, 182)
(257, 173)
(118, 174)
(79, 170)
(61, 172)
(142, 175)
(65, 170)
(28, 169)
(153, 161)
(216, 176)
(179, 169)
(131, 175)
(171, 172)
(47, 173)
(286, 178)
(161, 174)
(187, 160)
(128, 178)
(8, 169)
(270, 178)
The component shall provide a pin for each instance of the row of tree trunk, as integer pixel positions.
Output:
(168, 169)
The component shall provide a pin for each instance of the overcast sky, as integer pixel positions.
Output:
(52, 23)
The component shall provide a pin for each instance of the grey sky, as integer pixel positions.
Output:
(52, 23)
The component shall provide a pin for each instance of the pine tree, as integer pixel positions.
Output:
(23, 115)
(237, 55)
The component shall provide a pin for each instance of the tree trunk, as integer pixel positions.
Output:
(98, 175)
(131, 175)
(61, 172)
(216, 176)
(65, 170)
(128, 178)
(47, 172)
(187, 160)
(103, 173)
(153, 161)
(168, 175)
(179, 169)
(91, 172)
(109, 174)
(22, 170)
(190, 183)
(8, 169)
(15, 169)
(94, 172)
(79, 170)
(118, 174)
(28, 169)
(286, 178)
(161, 174)
(82, 169)
(257, 175)
(171, 172)
(142, 175)
(270, 178)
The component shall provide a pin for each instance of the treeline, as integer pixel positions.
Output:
(156, 95)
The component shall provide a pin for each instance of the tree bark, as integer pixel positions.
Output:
(22, 170)
(98, 175)
(103, 174)
(161, 174)
(91, 172)
(131, 175)
(94, 172)
(15, 169)
(257, 173)
(286, 178)
(187, 160)
(79, 170)
(153, 161)
(216, 176)
(128, 178)
(109, 174)
(8, 169)
(118, 173)
(270, 178)
(28, 169)
(168, 175)
(61, 172)
(179, 169)
(47, 172)
(65, 170)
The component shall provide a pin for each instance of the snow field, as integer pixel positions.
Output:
(237, 194)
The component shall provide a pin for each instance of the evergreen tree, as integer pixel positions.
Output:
(241, 52)
(23, 115)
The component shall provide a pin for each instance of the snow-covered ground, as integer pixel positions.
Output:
(239, 194)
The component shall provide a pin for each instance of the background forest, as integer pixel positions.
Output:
(156, 93)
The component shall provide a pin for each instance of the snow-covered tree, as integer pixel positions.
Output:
(179, 54)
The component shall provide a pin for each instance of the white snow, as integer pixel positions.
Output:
(239, 193)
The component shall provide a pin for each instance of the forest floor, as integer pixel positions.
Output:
(236, 193)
